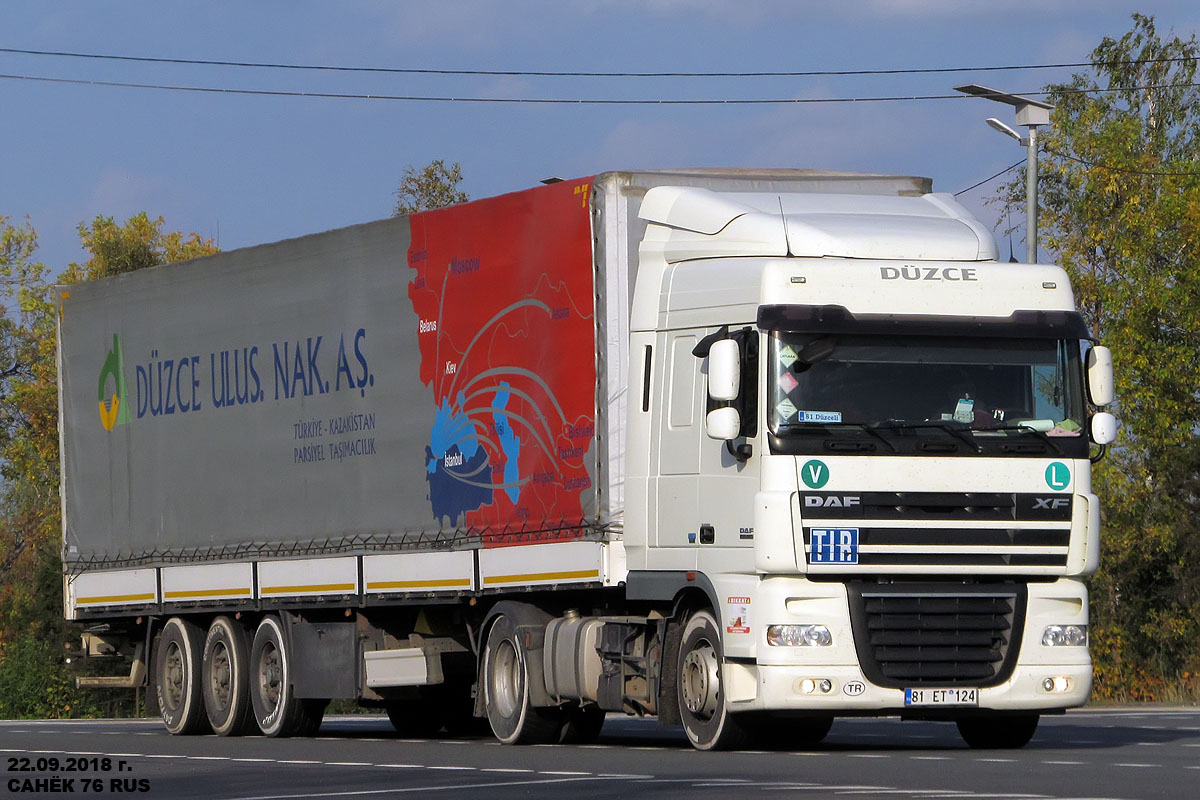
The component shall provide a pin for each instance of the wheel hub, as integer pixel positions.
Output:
(701, 680)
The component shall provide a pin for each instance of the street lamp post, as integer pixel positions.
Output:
(1030, 113)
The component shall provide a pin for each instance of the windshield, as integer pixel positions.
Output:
(979, 392)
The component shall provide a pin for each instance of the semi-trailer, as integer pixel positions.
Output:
(743, 450)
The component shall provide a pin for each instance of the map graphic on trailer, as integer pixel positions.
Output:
(503, 291)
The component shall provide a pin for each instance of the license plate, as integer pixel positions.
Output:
(941, 697)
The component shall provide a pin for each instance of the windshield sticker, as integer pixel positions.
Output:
(965, 410)
(785, 409)
(818, 416)
(788, 382)
(787, 356)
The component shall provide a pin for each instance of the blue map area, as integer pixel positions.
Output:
(456, 466)
(510, 444)
(453, 458)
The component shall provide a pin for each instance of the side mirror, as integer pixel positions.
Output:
(1104, 428)
(1100, 376)
(724, 372)
(723, 423)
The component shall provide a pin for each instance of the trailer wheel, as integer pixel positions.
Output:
(226, 678)
(177, 671)
(706, 720)
(514, 720)
(276, 709)
(1008, 732)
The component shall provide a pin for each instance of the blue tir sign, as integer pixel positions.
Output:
(833, 546)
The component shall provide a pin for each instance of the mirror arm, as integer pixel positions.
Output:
(1095, 459)
(741, 452)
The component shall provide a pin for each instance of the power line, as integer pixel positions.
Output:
(554, 74)
(1009, 168)
(730, 101)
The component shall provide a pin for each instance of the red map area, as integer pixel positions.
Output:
(503, 290)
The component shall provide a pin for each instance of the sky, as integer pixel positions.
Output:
(247, 169)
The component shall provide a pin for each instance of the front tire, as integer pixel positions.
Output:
(226, 678)
(276, 709)
(513, 718)
(177, 678)
(706, 719)
(998, 732)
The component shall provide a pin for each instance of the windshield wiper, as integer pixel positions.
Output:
(941, 424)
(829, 428)
(1020, 426)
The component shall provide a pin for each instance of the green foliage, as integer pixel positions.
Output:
(433, 186)
(1120, 192)
(34, 679)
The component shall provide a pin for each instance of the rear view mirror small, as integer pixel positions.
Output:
(724, 371)
(1100, 376)
(723, 423)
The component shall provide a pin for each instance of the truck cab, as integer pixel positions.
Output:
(866, 443)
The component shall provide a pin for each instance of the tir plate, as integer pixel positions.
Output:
(942, 697)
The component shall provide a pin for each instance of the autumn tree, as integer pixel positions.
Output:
(433, 186)
(32, 630)
(1120, 207)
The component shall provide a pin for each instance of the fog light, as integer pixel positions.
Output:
(1056, 685)
(1065, 636)
(798, 636)
(810, 685)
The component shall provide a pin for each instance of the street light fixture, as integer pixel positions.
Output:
(1030, 114)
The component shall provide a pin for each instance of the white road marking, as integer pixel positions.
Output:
(408, 789)
(1127, 764)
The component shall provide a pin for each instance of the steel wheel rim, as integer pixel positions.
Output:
(270, 673)
(173, 675)
(221, 676)
(505, 680)
(701, 680)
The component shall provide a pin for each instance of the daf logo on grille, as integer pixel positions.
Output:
(1050, 503)
(832, 501)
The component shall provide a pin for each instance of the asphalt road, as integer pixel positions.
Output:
(1126, 752)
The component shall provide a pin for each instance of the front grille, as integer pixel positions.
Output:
(937, 634)
(911, 532)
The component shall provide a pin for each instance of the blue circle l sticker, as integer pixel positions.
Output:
(815, 474)
(1058, 476)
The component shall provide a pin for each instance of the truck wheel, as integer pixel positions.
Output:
(276, 709)
(513, 718)
(177, 670)
(706, 720)
(225, 667)
(415, 717)
(788, 733)
(998, 732)
(581, 724)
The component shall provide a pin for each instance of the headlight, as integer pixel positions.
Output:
(1065, 636)
(799, 636)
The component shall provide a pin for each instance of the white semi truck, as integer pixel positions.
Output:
(744, 450)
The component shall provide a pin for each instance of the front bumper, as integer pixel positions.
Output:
(790, 678)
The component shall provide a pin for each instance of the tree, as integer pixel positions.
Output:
(1120, 191)
(433, 186)
(32, 630)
